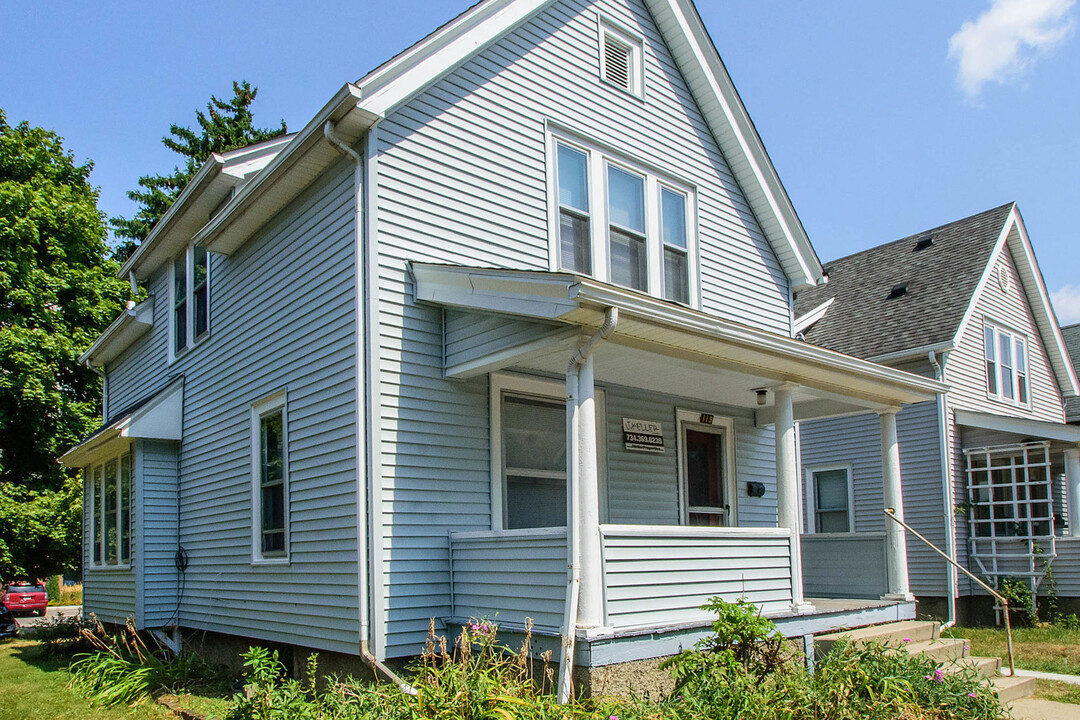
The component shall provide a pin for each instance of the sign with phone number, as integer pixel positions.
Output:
(643, 435)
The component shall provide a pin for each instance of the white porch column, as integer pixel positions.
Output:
(591, 597)
(895, 542)
(1072, 489)
(788, 490)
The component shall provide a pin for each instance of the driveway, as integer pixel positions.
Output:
(52, 613)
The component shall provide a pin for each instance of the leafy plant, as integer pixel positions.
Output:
(1022, 609)
(63, 636)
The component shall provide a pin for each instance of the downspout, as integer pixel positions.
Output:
(362, 489)
(566, 663)
(947, 491)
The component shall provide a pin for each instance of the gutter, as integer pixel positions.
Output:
(947, 488)
(363, 406)
(573, 467)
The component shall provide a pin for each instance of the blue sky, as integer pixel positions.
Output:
(883, 119)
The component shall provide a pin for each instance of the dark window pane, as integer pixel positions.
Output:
(704, 473)
(575, 250)
(534, 434)
(273, 460)
(180, 326)
(272, 476)
(180, 279)
(676, 282)
(200, 263)
(99, 510)
(991, 377)
(834, 521)
(628, 261)
(535, 502)
(110, 512)
(202, 308)
(273, 542)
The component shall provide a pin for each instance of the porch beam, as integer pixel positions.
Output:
(788, 490)
(892, 487)
(1072, 488)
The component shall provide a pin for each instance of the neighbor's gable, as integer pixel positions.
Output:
(465, 167)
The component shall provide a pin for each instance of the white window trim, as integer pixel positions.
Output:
(543, 388)
(1014, 335)
(260, 409)
(192, 341)
(621, 33)
(811, 493)
(88, 471)
(598, 157)
(724, 426)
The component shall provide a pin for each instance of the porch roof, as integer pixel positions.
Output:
(1024, 427)
(731, 358)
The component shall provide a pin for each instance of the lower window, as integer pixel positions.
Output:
(830, 500)
(110, 488)
(534, 461)
(270, 479)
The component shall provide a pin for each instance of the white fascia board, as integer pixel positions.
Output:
(805, 320)
(128, 327)
(913, 353)
(392, 84)
(1019, 426)
(245, 161)
(537, 295)
(246, 212)
(209, 171)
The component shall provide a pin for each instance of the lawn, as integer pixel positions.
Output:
(33, 686)
(1048, 649)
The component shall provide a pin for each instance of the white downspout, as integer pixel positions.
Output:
(573, 479)
(362, 526)
(947, 491)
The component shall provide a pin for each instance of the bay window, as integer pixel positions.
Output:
(1005, 355)
(621, 222)
(110, 492)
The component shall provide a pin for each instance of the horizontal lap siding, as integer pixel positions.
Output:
(845, 566)
(652, 580)
(157, 468)
(509, 579)
(143, 368)
(1066, 569)
(282, 317)
(462, 179)
(965, 370)
(856, 441)
(471, 336)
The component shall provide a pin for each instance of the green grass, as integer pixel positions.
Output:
(1058, 691)
(33, 686)
(1047, 649)
(68, 596)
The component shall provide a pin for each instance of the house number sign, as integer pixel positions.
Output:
(642, 435)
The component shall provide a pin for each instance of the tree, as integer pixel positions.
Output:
(58, 291)
(226, 125)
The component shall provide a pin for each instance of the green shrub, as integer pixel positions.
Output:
(63, 636)
(124, 670)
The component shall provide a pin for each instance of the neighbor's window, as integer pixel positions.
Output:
(534, 461)
(622, 223)
(110, 491)
(831, 501)
(1006, 358)
(270, 479)
(190, 291)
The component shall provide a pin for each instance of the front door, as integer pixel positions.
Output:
(705, 495)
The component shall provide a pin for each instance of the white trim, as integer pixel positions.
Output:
(917, 352)
(622, 34)
(191, 339)
(269, 405)
(637, 531)
(807, 319)
(98, 484)
(1000, 329)
(551, 389)
(129, 326)
(1019, 426)
(811, 496)
(725, 427)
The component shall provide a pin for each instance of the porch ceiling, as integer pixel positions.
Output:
(663, 346)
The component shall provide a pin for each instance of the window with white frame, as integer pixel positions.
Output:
(622, 223)
(621, 58)
(111, 499)
(534, 460)
(190, 298)
(829, 496)
(270, 480)
(1005, 353)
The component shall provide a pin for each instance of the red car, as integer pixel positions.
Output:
(26, 597)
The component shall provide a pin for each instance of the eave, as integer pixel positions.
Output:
(128, 327)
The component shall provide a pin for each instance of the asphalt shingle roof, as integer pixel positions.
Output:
(866, 322)
(1071, 333)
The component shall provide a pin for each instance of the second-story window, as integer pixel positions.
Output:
(190, 291)
(1005, 353)
(622, 223)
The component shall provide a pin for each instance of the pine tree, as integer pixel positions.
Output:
(226, 125)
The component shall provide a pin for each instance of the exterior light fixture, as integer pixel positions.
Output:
(762, 396)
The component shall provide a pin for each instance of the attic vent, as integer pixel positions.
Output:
(620, 58)
(898, 290)
(617, 62)
(924, 242)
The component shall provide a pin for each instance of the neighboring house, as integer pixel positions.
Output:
(965, 303)
(1071, 333)
(344, 408)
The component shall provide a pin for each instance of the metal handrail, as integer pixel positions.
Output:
(891, 513)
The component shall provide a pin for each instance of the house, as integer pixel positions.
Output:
(504, 331)
(1071, 333)
(990, 468)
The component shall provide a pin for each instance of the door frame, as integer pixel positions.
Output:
(723, 426)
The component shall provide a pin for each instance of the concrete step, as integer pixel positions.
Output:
(984, 667)
(944, 650)
(1011, 688)
(897, 633)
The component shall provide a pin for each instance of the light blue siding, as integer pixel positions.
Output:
(108, 593)
(844, 565)
(156, 513)
(857, 441)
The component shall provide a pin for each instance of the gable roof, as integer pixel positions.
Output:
(1071, 335)
(395, 82)
(905, 298)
